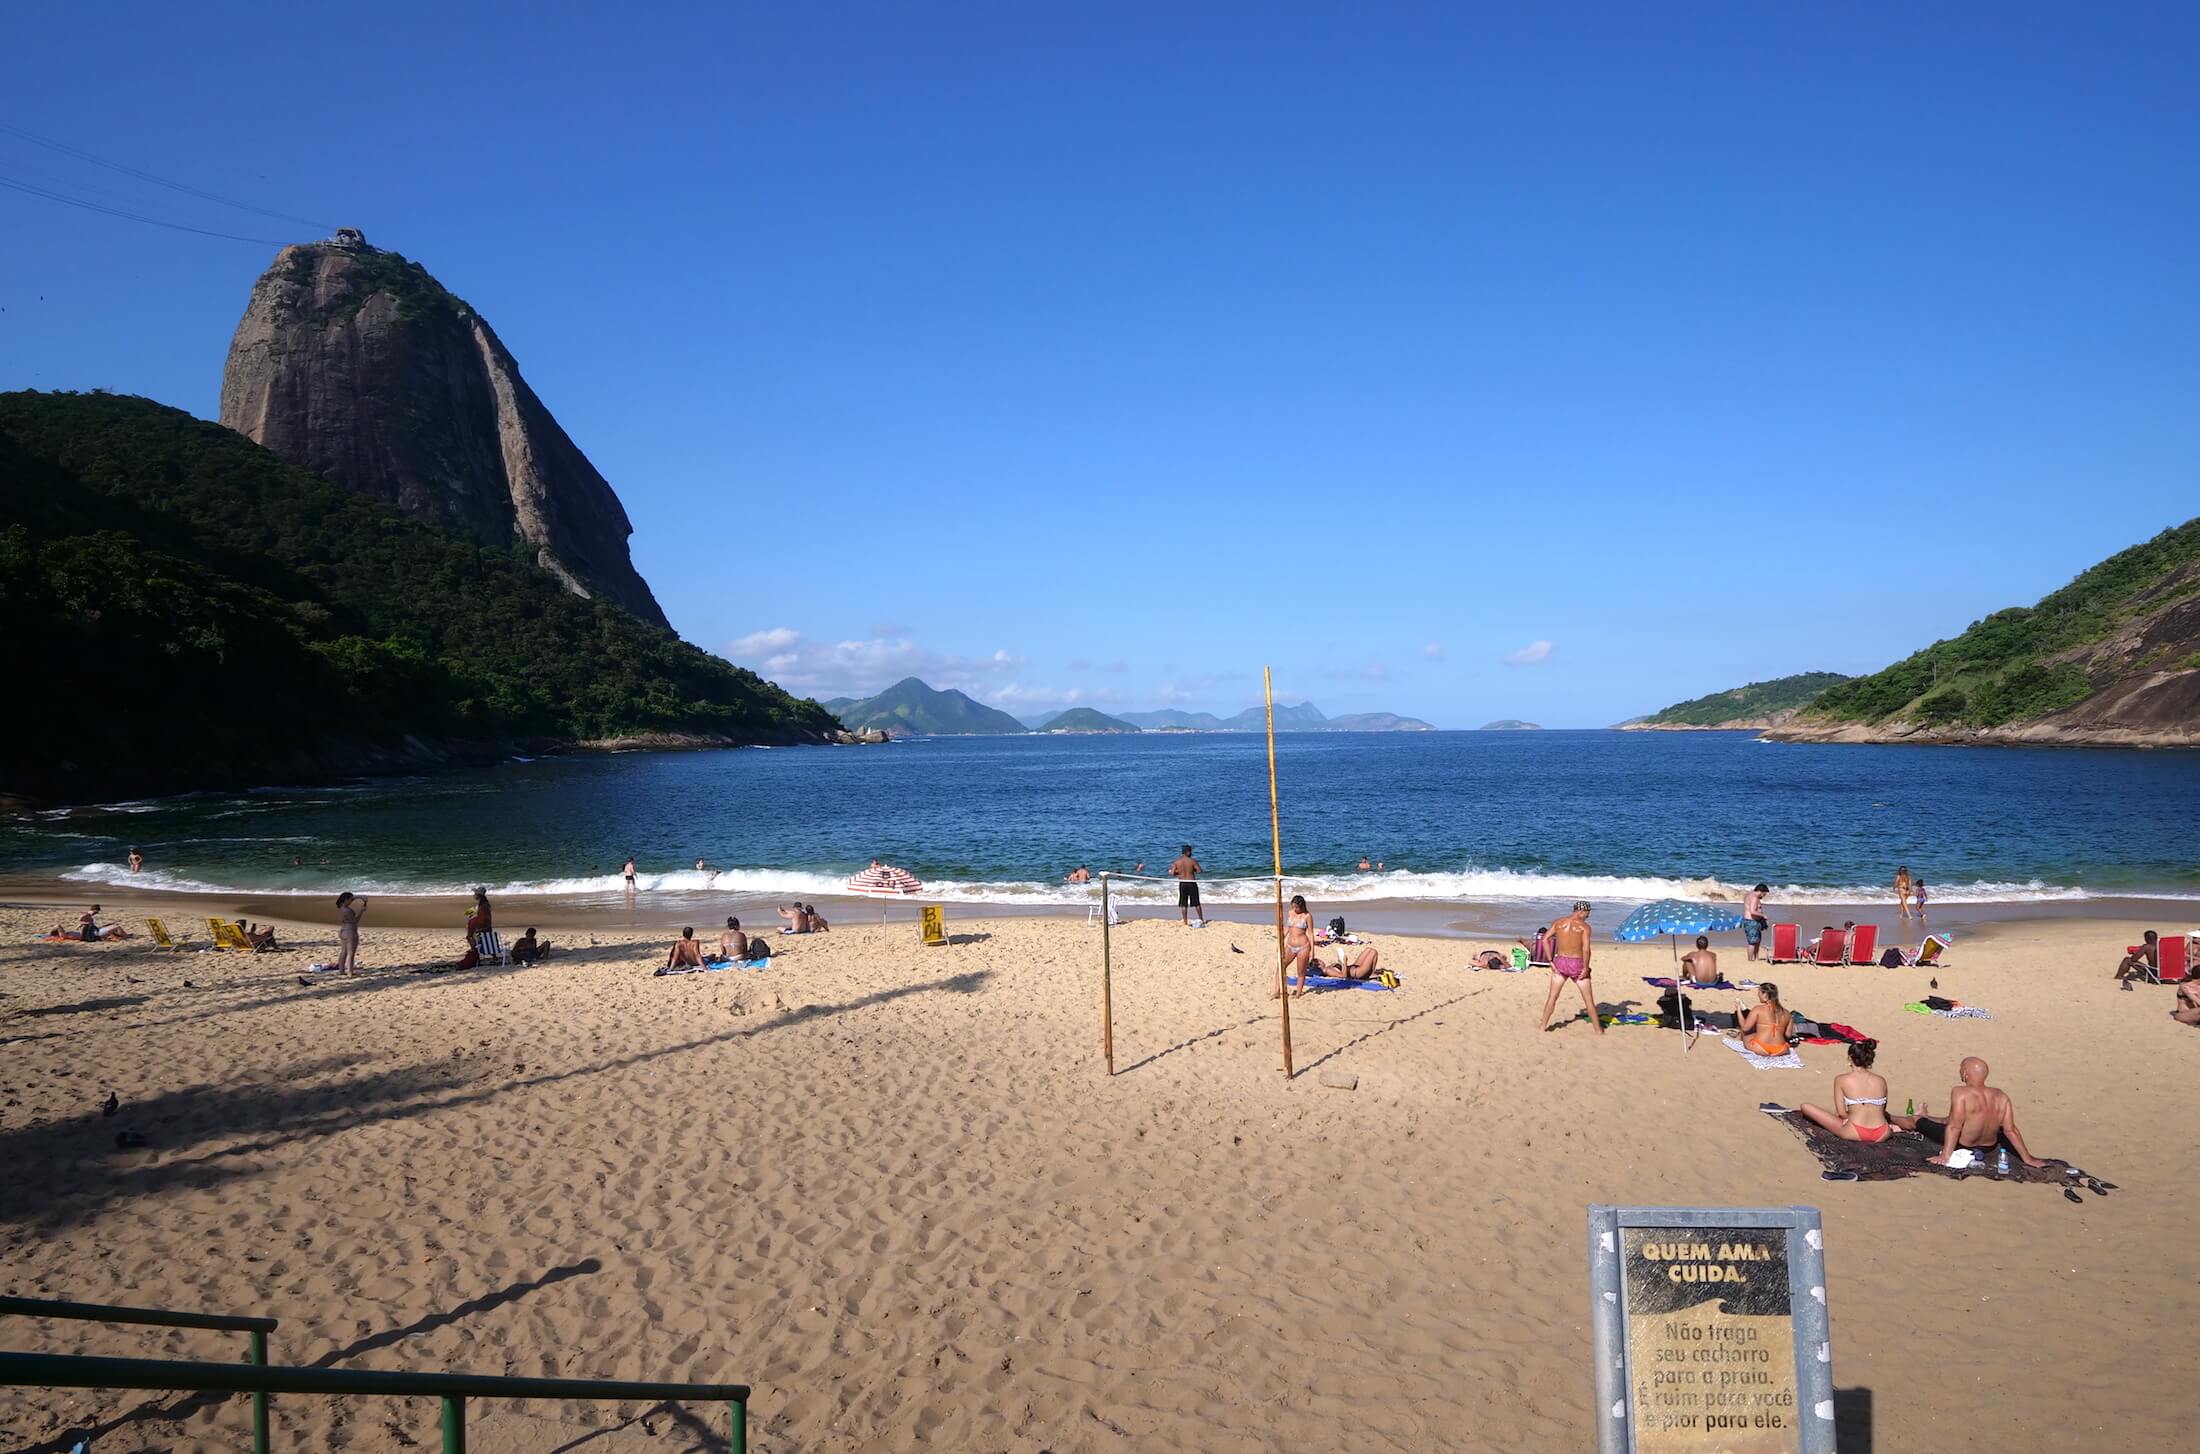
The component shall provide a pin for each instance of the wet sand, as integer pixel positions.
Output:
(892, 1187)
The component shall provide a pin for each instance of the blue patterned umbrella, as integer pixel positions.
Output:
(1676, 917)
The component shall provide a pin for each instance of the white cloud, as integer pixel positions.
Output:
(762, 643)
(1529, 655)
(861, 668)
(1017, 695)
(1434, 651)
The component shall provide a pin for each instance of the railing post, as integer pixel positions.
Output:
(259, 1396)
(454, 1425)
(740, 1444)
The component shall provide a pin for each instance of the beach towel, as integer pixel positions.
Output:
(708, 966)
(1907, 1154)
(1665, 982)
(1789, 1061)
(1326, 982)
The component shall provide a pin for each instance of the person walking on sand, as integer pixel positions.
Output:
(1902, 886)
(1298, 948)
(1754, 922)
(349, 906)
(1571, 947)
(1186, 873)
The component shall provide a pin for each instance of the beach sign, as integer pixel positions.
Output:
(935, 925)
(1711, 1330)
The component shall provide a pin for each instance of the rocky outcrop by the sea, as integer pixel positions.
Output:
(356, 364)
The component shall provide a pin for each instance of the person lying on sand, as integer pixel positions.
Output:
(1979, 1116)
(1492, 959)
(685, 950)
(1766, 1025)
(1363, 964)
(2188, 1004)
(91, 931)
(1570, 951)
(1700, 965)
(2142, 962)
(1859, 1099)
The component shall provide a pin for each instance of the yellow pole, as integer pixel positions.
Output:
(1275, 838)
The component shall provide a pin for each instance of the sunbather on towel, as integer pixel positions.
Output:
(686, 951)
(733, 944)
(1700, 965)
(1766, 1025)
(1859, 1099)
(1979, 1117)
(1363, 965)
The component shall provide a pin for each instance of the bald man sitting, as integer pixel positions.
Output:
(1979, 1118)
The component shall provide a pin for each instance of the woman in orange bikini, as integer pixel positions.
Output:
(1859, 1099)
(1765, 1025)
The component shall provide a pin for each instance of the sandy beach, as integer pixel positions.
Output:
(892, 1187)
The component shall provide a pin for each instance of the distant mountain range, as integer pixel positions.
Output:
(1084, 719)
(910, 708)
(1306, 717)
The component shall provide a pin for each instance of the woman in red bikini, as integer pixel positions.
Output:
(1859, 1099)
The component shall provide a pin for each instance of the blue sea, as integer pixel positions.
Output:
(1451, 817)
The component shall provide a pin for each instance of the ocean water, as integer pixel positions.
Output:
(1453, 817)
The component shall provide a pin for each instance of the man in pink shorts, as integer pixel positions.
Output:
(1570, 950)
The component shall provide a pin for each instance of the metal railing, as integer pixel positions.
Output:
(259, 1328)
(58, 1370)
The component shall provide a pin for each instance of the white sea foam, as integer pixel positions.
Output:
(1462, 886)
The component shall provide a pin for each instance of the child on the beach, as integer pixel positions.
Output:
(1918, 893)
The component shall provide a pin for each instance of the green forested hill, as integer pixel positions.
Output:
(186, 610)
(2114, 655)
(910, 706)
(1084, 719)
(1753, 703)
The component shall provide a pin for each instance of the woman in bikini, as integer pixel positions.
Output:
(1298, 946)
(1859, 1099)
(1765, 1025)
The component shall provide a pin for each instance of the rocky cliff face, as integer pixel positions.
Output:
(356, 364)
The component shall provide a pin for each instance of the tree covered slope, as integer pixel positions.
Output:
(1756, 705)
(2113, 657)
(186, 610)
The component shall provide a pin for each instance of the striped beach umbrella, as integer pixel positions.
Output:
(884, 881)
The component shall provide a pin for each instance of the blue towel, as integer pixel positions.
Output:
(1326, 982)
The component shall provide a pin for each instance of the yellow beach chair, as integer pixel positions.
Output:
(160, 934)
(228, 936)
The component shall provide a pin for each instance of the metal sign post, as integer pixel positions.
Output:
(1711, 1330)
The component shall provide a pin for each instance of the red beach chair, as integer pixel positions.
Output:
(2175, 966)
(1864, 944)
(1783, 943)
(1829, 953)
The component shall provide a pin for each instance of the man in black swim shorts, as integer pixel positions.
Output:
(1186, 873)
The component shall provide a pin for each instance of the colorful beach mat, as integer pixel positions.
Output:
(1327, 982)
(1789, 1061)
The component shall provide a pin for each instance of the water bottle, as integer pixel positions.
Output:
(2001, 1163)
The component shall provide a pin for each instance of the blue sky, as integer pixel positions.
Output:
(1454, 360)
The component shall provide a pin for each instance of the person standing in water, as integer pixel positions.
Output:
(137, 860)
(349, 906)
(629, 872)
(1902, 886)
(1570, 951)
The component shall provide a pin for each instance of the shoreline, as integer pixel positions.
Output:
(1421, 918)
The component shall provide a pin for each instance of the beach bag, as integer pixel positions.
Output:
(1892, 959)
(1336, 927)
(1937, 1002)
(759, 951)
